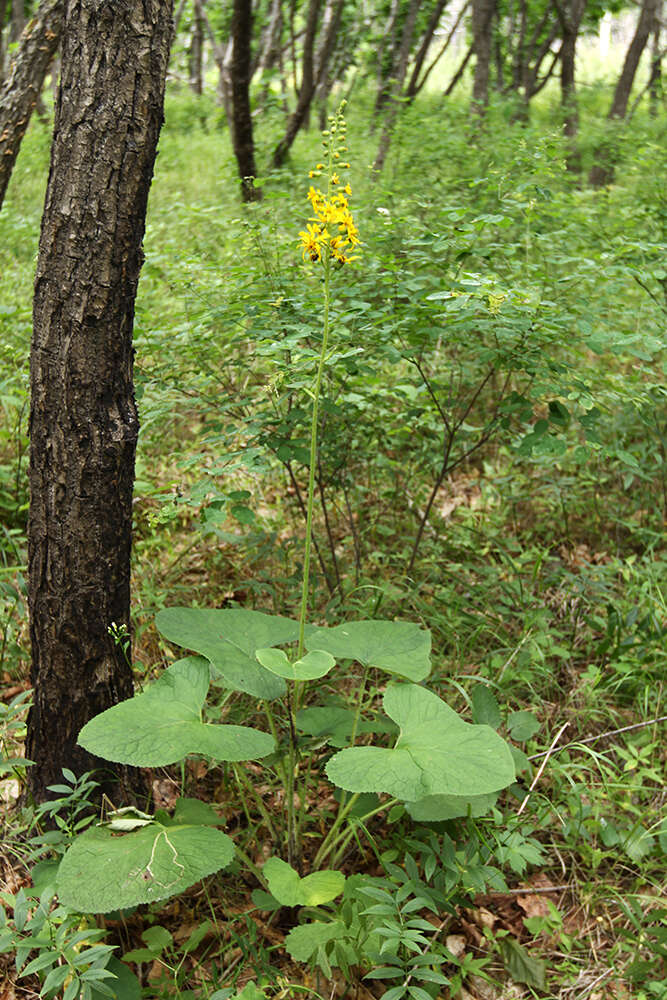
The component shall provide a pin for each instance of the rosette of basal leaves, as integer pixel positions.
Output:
(163, 725)
(436, 753)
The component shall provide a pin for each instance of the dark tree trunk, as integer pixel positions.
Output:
(21, 90)
(482, 18)
(244, 146)
(83, 418)
(602, 171)
(570, 15)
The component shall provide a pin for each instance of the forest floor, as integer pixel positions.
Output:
(506, 320)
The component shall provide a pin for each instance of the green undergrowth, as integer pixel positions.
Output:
(491, 468)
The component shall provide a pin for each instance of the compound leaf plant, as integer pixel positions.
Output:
(438, 766)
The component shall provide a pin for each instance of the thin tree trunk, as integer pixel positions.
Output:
(602, 171)
(196, 52)
(482, 17)
(18, 20)
(310, 76)
(270, 52)
(22, 87)
(655, 79)
(83, 419)
(388, 41)
(415, 85)
(459, 73)
(399, 78)
(244, 146)
(570, 18)
(3, 50)
(424, 46)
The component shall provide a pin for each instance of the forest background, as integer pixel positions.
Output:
(491, 465)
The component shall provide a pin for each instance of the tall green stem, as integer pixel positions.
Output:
(313, 459)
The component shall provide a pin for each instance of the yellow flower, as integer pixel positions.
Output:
(330, 233)
(311, 239)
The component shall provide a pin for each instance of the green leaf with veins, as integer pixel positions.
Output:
(436, 753)
(163, 725)
(103, 871)
(229, 638)
(401, 648)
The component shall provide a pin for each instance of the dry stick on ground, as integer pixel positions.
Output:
(601, 736)
(542, 766)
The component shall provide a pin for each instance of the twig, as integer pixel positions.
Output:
(601, 736)
(542, 766)
(531, 891)
(587, 989)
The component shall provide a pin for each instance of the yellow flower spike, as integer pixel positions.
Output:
(330, 234)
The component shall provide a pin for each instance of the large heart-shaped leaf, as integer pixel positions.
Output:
(290, 889)
(436, 753)
(315, 664)
(104, 871)
(163, 725)
(230, 638)
(401, 648)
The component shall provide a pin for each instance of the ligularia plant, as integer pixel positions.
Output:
(426, 757)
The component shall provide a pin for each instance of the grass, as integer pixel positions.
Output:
(540, 570)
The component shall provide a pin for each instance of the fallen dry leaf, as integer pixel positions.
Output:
(534, 905)
(456, 944)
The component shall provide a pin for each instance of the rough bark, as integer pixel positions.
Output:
(22, 87)
(244, 146)
(83, 418)
(602, 171)
(482, 17)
